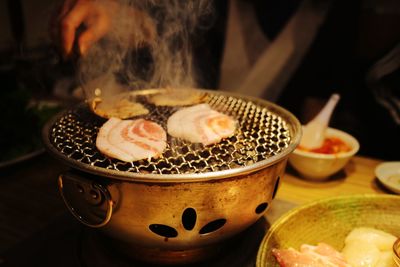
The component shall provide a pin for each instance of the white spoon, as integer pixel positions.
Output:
(314, 131)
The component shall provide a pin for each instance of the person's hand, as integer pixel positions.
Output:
(93, 17)
(83, 22)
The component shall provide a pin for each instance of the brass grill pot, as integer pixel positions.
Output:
(190, 198)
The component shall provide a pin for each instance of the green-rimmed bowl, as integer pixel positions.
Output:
(330, 220)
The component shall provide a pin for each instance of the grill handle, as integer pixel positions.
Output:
(88, 201)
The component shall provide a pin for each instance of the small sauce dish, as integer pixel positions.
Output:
(320, 166)
(388, 173)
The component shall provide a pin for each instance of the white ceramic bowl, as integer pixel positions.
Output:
(318, 166)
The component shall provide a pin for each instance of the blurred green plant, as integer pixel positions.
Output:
(21, 122)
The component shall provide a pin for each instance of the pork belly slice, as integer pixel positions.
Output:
(200, 124)
(131, 140)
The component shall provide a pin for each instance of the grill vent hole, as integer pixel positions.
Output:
(262, 207)
(163, 230)
(276, 187)
(212, 226)
(189, 217)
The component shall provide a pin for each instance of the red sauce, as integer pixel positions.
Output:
(331, 145)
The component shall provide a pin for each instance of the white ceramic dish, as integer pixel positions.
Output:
(318, 166)
(388, 173)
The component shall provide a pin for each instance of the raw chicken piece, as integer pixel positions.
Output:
(369, 247)
(386, 260)
(361, 254)
(312, 256)
(200, 124)
(293, 258)
(381, 239)
(322, 249)
(131, 140)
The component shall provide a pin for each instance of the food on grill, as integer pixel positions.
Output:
(369, 247)
(76, 129)
(200, 124)
(313, 256)
(118, 108)
(131, 140)
(331, 145)
(178, 97)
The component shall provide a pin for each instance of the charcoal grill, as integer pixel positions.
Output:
(176, 208)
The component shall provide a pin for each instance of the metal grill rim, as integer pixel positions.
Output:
(266, 133)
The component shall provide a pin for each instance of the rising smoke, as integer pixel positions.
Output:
(149, 46)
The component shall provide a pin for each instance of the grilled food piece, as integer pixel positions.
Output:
(178, 97)
(119, 108)
(131, 140)
(200, 124)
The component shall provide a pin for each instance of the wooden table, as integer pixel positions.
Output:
(29, 199)
(358, 177)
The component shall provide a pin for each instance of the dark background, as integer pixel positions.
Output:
(354, 36)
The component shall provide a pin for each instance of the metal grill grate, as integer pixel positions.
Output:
(260, 135)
